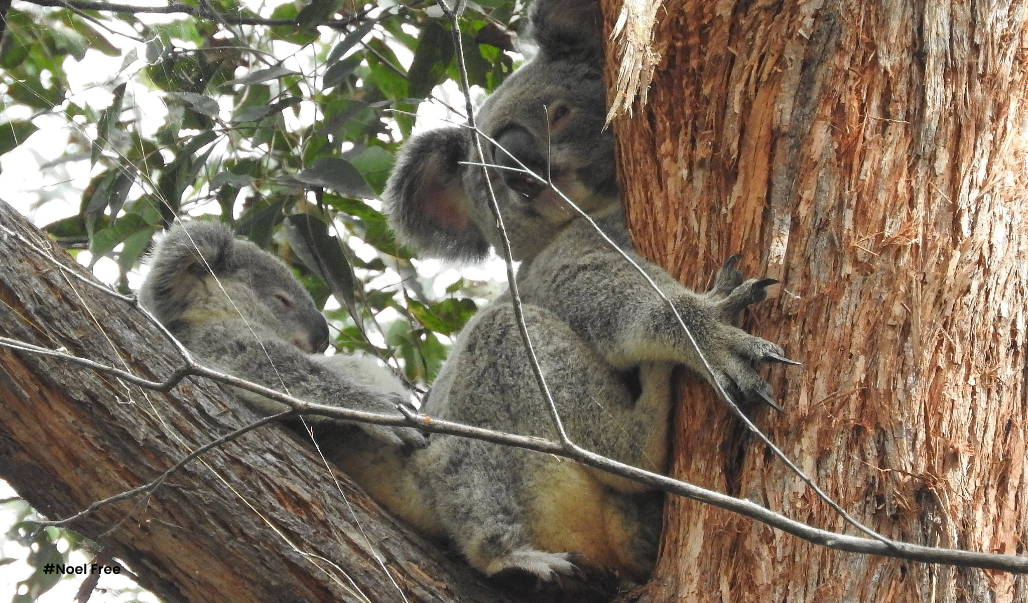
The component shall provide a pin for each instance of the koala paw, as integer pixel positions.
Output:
(730, 293)
(733, 368)
(536, 565)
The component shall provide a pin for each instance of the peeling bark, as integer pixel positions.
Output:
(871, 156)
(258, 519)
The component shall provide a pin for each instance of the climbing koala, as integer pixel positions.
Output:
(606, 342)
(239, 309)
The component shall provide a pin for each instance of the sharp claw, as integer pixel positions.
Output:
(767, 400)
(780, 359)
(732, 260)
(766, 282)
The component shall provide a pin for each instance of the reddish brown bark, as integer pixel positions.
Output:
(872, 157)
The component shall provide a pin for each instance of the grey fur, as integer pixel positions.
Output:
(606, 342)
(240, 309)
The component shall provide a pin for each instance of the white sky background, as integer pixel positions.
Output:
(46, 191)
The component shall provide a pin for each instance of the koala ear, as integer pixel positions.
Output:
(185, 255)
(199, 247)
(425, 197)
(568, 29)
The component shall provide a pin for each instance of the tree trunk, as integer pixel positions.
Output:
(257, 519)
(871, 156)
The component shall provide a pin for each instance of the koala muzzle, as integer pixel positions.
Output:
(516, 150)
(315, 338)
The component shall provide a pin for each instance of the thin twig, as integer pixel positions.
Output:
(151, 486)
(494, 207)
(839, 542)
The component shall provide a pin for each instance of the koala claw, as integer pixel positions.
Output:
(544, 567)
(765, 398)
(780, 359)
(727, 278)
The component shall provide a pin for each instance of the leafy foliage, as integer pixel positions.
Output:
(285, 129)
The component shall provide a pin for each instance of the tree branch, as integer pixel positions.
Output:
(256, 519)
(571, 451)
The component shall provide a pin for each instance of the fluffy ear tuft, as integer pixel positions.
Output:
(568, 30)
(425, 197)
(185, 254)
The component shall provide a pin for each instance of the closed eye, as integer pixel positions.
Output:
(285, 300)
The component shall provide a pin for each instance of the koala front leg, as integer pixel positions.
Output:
(730, 352)
(247, 352)
(630, 324)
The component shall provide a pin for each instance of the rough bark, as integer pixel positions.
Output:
(258, 519)
(871, 155)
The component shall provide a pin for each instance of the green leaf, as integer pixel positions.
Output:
(181, 173)
(106, 239)
(338, 72)
(258, 223)
(351, 40)
(71, 228)
(336, 174)
(447, 317)
(226, 177)
(109, 189)
(291, 33)
(375, 164)
(434, 53)
(262, 75)
(204, 105)
(108, 118)
(13, 133)
(323, 254)
(383, 68)
(251, 113)
(317, 11)
(93, 37)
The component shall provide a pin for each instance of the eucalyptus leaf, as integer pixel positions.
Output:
(323, 255)
(336, 174)
(262, 75)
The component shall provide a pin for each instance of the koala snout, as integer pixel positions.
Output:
(313, 340)
(516, 149)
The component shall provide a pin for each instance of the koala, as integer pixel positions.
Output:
(240, 310)
(606, 342)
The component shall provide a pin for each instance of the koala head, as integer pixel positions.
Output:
(547, 116)
(199, 274)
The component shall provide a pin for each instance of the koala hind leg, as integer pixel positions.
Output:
(479, 495)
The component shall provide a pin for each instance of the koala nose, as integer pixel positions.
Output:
(516, 150)
(317, 337)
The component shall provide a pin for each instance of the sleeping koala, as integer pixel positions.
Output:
(606, 342)
(240, 309)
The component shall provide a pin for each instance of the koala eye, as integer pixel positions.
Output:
(558, 113)
(284, 300)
